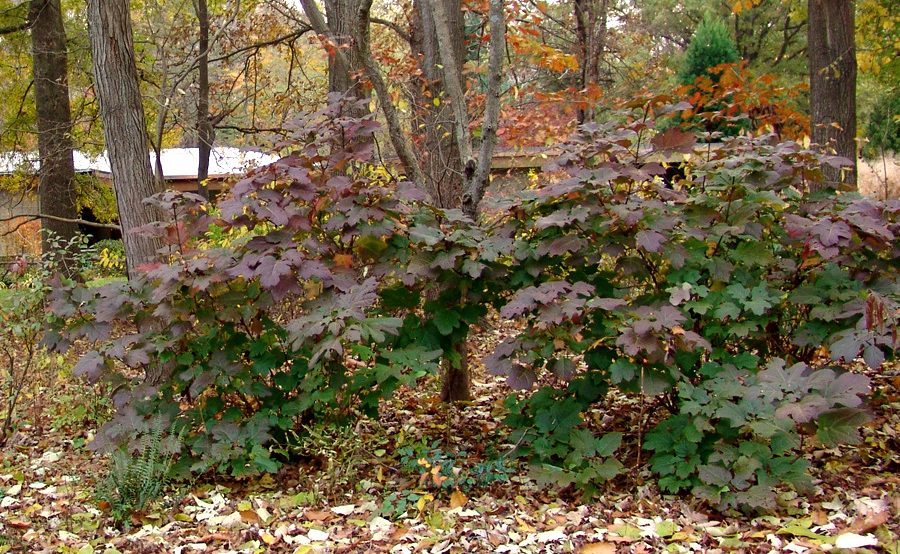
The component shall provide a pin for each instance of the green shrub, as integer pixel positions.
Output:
(246, 342)
(438, 470)
(22, 313)
(109, 258)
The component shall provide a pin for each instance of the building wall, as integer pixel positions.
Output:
(18, 235)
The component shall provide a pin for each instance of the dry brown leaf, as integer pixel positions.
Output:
(215, 537)
(18, 524)
(316, 515)
(867, 523)
(496, 539)
(249, 516)
(598, 548)
(398, 533)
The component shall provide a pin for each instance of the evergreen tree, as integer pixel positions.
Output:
(710, 46)
(883, 126)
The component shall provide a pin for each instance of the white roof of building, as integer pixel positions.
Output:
(177, 163)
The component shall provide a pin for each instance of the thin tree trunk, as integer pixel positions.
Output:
(124, 126)
(442, 113)
(54, 120)
(360, 46)
(438, 152)
(205, 131)
(591, 18)
(832, 84)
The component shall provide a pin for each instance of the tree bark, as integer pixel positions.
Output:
(450, 45)
(441, 161)
(591, 18)
(832, 85)
(54, 120)
(124, 125)
(205, 131)
(344, 72)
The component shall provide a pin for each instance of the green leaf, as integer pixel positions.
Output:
(399, 297)
(622, 371)
(445, 321)
(727, 310)
(428, 235)
(840, 426)
(608, 444)
(714, 475)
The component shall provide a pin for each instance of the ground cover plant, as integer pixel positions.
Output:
(721, 313)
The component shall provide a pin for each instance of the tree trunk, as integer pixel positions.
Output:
(124, 126)
(437, 166)
(438, 153)
(205, 131)
(590, 25)
(832, 85)
(345, 72)
(54, 120)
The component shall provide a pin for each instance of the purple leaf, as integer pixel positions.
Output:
(606, 304)
(271, 271)
(91, 365)
(521, 377)
(873, 356)
(650, 240)
(674, 140)
(847, 347)
(832, 233)
(848, 389)
(560, 246)
(679, 295)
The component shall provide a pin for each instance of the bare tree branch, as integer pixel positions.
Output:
(392, 26)
(401, 143)
(260, 45)
(28, 218)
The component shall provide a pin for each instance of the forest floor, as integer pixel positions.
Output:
(359, 498)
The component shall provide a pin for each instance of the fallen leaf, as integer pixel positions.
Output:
(250, 516)
(458, 500)
(867, 523)
(852, 540)
(344, 510)
(598, 548)
(18, 524)
(317, 515)
(551, 536)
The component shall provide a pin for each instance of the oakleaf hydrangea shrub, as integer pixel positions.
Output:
(241, 342)
(320, 286)
(701, 292)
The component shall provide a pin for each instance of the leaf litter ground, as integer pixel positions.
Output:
(47, 479)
